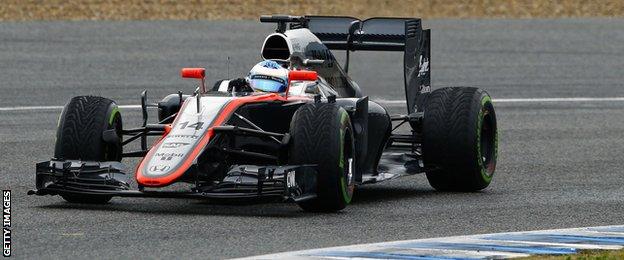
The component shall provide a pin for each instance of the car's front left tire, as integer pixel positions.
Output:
(321, 134)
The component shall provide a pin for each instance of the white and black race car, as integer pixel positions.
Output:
(311, 144)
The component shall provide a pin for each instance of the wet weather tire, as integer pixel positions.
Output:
(460, 139)
(80, 133)
(321, 134)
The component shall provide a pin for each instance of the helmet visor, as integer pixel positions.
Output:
(267, 83)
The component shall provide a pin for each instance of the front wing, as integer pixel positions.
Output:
(286, 183)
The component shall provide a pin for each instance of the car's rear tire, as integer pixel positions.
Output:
(460, 139)
(79, 136)
(321, 134)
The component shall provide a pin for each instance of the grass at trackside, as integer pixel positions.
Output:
(583, 255)
(24, 10)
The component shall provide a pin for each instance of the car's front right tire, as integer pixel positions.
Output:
(80, 136)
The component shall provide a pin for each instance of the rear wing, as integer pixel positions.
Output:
(373, 34)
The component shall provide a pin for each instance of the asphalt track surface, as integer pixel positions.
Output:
(560, 163)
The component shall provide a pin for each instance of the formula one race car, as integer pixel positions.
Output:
(310, 143)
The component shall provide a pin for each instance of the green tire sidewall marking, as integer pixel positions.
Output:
(495, 154)
(114, 112)
(343, 121)
(343, 184)
(112, 115)
(58, 122)
(345, 193)
(486, 177)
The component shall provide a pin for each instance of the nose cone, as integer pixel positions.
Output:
(174, 154)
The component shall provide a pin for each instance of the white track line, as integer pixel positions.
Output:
(529, 100)
(30, 108)
(25, 108)
(385, 102)
(572, 99)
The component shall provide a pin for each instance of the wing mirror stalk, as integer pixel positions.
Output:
(196, 73)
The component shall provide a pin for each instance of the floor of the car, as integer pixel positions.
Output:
(395, 163)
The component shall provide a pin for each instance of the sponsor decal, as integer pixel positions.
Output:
(423, 64)
(183, 136)
(290, 180)
(423, 72)
(271, 65)
(168, 156)
(174, 145)
(267, 77)
(160, 168)
(6, 223)
(322, 54)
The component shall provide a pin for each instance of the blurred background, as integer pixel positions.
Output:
(239, 9)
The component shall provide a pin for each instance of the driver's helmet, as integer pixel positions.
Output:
(268, 76)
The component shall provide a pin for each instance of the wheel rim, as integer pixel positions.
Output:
(349, 168)
(113, 154)
(349, 171)
(487, 141)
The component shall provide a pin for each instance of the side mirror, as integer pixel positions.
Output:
(195, 73)
(302, 75)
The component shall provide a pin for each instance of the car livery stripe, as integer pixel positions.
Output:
(225, 113)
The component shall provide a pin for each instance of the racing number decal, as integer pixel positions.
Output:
(169, 156)
(197, 125)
